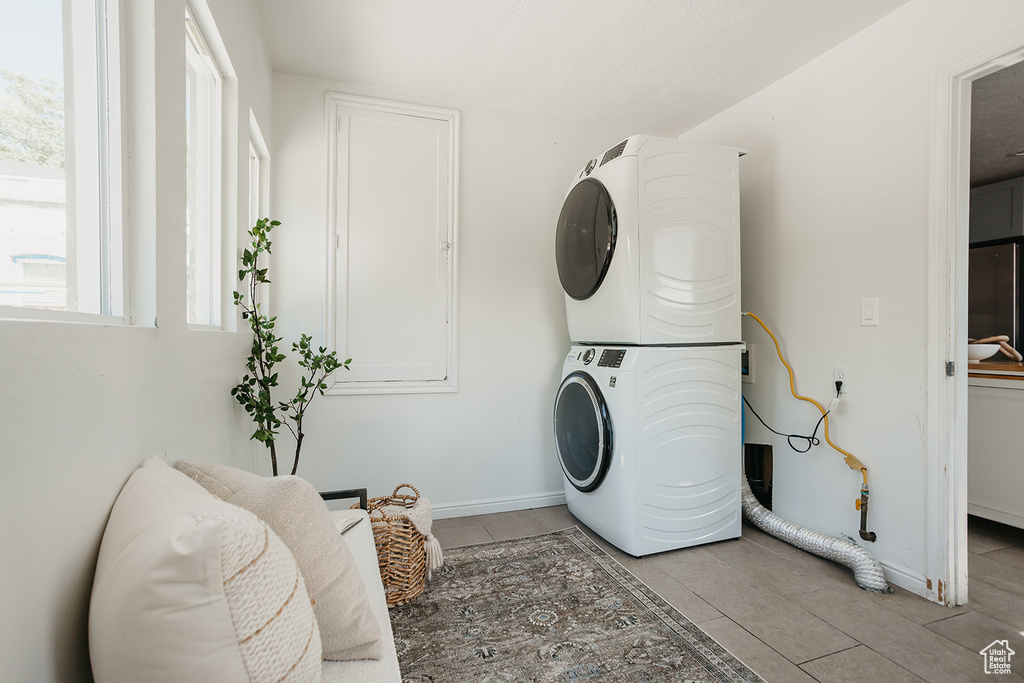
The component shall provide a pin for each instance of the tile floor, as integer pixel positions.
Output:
(792, 616)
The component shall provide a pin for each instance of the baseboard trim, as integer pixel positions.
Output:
(491, 505)
(908, 579)
(996, 514)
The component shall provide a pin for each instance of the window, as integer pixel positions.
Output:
(203, 129)
(259, 178)
(60, 232)
(391, 300)
(254, 184)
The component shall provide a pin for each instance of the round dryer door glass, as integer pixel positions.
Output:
(585, 238)
(583, 434)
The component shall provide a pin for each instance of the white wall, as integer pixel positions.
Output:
(491, 441)
(835, 208)
(82, 405)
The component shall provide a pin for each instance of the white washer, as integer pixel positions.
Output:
(650, 443)
(648, 245)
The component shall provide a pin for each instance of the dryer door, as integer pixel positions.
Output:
(583, 431)
(585, 238)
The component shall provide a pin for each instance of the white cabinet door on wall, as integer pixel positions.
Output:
(391, 299)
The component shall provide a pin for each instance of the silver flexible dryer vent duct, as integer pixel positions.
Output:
(867, 572)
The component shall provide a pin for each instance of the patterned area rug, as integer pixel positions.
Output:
(550, 608)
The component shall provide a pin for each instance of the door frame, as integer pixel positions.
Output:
(948, 242)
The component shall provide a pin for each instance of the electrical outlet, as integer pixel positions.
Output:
(840, 373)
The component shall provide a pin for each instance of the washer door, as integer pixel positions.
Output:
(583, 431)
(585, 238)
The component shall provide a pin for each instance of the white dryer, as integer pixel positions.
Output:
(648, 245)
(650, 443)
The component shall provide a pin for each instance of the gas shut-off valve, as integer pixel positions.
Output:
(862, 505)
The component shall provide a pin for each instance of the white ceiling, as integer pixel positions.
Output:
(652, 65)
(997, 126)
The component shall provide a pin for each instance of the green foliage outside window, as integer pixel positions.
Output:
(32, 121)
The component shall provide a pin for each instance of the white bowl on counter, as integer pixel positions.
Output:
(977, 352)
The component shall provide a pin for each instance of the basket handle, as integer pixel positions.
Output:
(401, 486)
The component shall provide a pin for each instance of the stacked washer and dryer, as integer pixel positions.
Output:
(648, 416)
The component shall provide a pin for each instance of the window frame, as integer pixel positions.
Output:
(97, 250)
(258, 147)
(205, 145)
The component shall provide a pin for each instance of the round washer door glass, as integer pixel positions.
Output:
(585, 238)
(583, 433)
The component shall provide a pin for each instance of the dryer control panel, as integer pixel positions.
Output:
(614, 153)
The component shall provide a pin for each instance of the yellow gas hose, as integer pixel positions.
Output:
(851, 461)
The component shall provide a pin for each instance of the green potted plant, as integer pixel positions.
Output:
(254, 392)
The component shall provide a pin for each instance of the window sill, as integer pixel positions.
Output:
(16, 314)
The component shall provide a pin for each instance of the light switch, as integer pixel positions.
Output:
(868, 312)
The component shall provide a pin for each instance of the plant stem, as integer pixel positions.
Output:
(298, 446)
(263, 376)
(254, 391)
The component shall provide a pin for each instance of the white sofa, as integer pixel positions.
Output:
(359, 540)
(190, 586)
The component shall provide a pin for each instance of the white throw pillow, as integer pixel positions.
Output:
(190, 588)
(297, 513)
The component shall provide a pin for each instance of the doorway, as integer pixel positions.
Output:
(947, 580)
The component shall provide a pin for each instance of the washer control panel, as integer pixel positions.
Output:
(611, 358)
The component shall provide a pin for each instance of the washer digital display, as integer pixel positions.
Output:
(611, 358)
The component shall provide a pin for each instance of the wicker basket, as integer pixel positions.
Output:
(400, 553)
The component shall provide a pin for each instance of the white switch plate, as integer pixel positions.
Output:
(868, 312)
